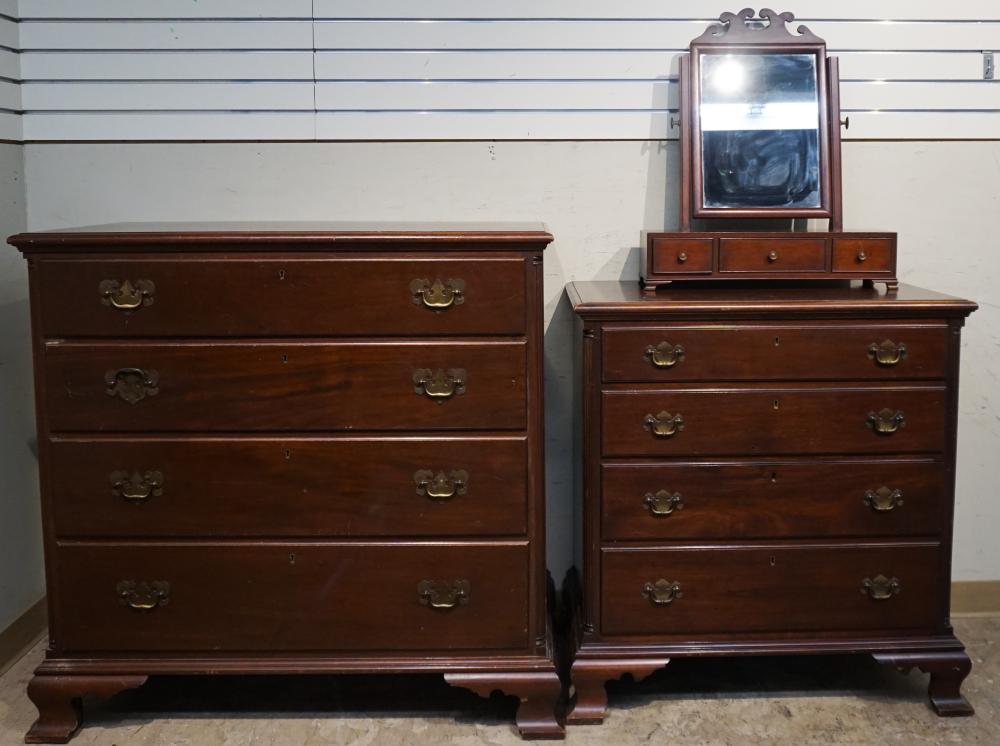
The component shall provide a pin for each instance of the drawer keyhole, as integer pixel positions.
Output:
(775, 404)
(281, 274)
(773, 562)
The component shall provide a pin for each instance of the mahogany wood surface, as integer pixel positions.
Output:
(803, 350)
(750, 530)
(771, 499)
(292, 295)
(268, 514)
(279, 386)
(791, 254)
(289, 487)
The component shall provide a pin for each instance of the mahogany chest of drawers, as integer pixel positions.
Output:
(291, 449)
(766, 471)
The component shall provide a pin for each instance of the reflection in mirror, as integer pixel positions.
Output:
(759, 116)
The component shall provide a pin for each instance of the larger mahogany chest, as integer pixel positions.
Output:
(291, 449)
(766, 471)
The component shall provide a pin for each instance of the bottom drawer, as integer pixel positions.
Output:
(284, 597)
(769, 588)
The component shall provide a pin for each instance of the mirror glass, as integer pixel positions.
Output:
(759, 117)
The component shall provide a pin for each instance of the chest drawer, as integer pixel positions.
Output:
(769, 588)
(282, 296)
(772, 255)
(822, 418)
(236, 386)
(736, 352)
(768, 500)
(294, 487)
(287, 597)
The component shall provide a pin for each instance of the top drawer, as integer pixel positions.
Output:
(745, 352)
(278, 296)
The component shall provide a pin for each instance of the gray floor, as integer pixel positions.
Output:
(795, 701)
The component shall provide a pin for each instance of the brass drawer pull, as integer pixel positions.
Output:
(662, 592)
(664, 424)
(682, 257)
(142, 595)
(441, 486)
(887, 353)
(439, 385)
(138, 487)
(772, 256)
(132, 384)
(886, 421)
(665, 355)
(438, 295)
(883, 499)
(663, 503)
(126, 295)
(443, 595)
(881, 588)
(862, 256)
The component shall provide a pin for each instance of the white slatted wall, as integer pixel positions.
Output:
(453, 69)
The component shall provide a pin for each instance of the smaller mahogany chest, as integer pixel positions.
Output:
(291, 448)
(766, 471)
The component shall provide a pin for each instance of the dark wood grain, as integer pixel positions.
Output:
(279, 386)
(677, 255)
(771, 587)
(775, 419)
(772, 499)
(808, 350)
(288, 597)
(772, 255)
(300, 486)
(279, 295)
(863, 256)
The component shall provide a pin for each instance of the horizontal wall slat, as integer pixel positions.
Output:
(150, 35)
(8, 33)
(653, 34)
(10, 96)
(593, 65)
(610, 95)
(9, 65)
(171, 126)
(161, 96)
(161, 9)
(811, 9)
(242, 65)
(10, 126)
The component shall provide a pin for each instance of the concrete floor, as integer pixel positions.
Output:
(738, 701)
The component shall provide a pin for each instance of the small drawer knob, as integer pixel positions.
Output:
(682, 257)
(887, 353)
(663, 503)
(143, 595)
(664, 424)
(886, 421)
(441, 486)
(862, 256)
(664, 355)
(772, 256)
(438, 295)
(443, 595)
(126, 295)
(136, 488)
(441, 384)
(881, 588)
(662, 592)
(883, 499)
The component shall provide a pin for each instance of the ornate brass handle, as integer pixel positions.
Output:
(665, 355)
(438, 295)
(441, 486)
(662, 592)
(772, 256)
(126, 295)
(439, 385)
(887, 353)
(142, 595)
(138, 487)
(663, 502)
(886, 421)
(664, 424)
(883, 499)
(443, 595)
(132, 384)
(880, 587)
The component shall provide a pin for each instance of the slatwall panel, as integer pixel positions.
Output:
(456, 69)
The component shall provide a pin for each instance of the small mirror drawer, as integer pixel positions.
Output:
(772, 255)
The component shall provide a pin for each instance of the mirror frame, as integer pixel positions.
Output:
(742, 33)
